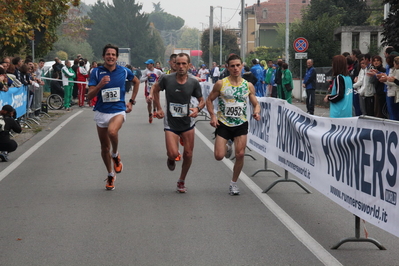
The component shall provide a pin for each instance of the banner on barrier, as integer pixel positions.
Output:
(352, 161)
(16, 97)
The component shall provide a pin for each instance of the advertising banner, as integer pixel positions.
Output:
(352, 161)
(16, 97)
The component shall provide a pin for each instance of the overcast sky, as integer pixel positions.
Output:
(196, 12)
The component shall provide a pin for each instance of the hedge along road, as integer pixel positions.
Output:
(56, 211)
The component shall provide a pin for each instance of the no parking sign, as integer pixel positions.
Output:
(301, 45)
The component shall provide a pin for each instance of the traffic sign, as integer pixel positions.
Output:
(301, 55)
(301, 45)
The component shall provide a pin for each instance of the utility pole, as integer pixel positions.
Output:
(287, 30)
(243, 31)
(211, 36)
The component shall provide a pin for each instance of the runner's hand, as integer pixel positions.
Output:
(160, 114)
(214, 122)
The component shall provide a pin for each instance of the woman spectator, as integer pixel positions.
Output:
(358, 88)
(8, 123)
(392, 87)
(82, 76)
(380, 95)
(341, 97)
(287, 82)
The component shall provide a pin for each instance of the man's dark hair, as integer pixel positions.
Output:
(15, 60)
(346, 54)
(41, 60)
(389, 50)
(233, 57)
(366, 56)
(110, 46)
(172, 56)
(356, 51)
(184, 54)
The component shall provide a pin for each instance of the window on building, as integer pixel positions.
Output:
(355, 40)
(264, 13)
(373, 39)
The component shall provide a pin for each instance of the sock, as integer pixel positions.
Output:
(180, 181)
(111, 174)
(233, 183)
(114, 155)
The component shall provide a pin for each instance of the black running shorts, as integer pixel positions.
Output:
(227, 132)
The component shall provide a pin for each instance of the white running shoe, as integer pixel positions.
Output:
(234, 190)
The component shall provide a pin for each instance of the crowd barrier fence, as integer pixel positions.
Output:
(352, 161)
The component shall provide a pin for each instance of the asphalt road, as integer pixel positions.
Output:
(55, 209)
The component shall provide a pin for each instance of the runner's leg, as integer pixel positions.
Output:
(240, 143)
(188, 140)
(220, 147)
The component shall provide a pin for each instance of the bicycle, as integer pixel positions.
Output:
(55, 102)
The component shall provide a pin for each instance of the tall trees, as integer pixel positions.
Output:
(229, 45)
(24, 20)
(391, 25)
(124, 24)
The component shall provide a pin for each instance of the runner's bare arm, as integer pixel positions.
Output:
(209, 102)
(254, 101)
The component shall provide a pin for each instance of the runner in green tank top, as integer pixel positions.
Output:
(231, 121)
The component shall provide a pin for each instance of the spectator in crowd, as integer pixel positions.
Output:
(287, 82)
(215, 72)
(17, 63)
(369, 88)
(257, 71)
(271, 88)
(309, 83)
(3, 80)
(277, 79)
(248, 76)
(82, 76)
(8, 123)
(56, 85)
(358, 88)
(75, 66)
(380, 95)
(67, 75)
(57, 66)
(341, 97)
(391, 87)
(203, 73)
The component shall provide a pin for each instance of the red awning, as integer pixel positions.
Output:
(195, 53)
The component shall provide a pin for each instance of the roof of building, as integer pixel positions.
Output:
(275, 10)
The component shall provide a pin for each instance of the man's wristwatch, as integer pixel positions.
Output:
(133, 102)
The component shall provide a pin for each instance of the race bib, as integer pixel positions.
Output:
(111, 95)
(233, 109)
(178, 110)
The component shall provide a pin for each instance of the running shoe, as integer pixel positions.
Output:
(181, 188)
(181, 141)
(118, 165)
(171, 164)
(234, 190)
(229, 149)
(150, 119)
(178, 158)
(154, 114)
(4, 156)
(110, 182)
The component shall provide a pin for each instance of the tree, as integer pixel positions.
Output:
(157, 7)
(124, 24)
(350, 12)
(25, 20)
(391, 25)
(229, 43)
(189, 38)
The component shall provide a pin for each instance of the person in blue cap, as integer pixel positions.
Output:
(150, 77)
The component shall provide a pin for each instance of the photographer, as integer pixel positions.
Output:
(8, 123)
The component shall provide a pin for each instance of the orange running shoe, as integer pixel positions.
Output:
(154, 114)
(150, 119)
(178, 158)
(110, 182)
(118, 165)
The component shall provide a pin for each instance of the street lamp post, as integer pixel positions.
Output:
(221, 33)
